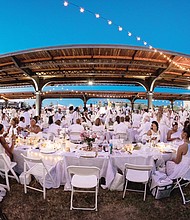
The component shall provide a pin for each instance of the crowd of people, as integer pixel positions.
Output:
(148, 125)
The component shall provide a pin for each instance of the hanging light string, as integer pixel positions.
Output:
(129, 33)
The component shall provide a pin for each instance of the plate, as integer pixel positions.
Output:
(47, 152)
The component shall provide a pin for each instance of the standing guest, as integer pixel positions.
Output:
(26, 115)
(58, 115)
(4, 147)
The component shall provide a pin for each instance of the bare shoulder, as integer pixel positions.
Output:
(183, 148)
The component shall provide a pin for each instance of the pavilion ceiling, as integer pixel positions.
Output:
(94, 94)
(103, 64)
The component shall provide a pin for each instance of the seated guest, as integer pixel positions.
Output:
(34, 128)
(21, 126)
(97, 127)
(179, 165)
(55, 128)
(12, 130)
(4, 147)
(127, 121)
(154, 133)
(121, 129)
(174, 133)
(75, 130)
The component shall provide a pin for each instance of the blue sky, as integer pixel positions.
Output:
(41, 23)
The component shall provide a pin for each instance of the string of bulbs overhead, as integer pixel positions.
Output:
(129, 33)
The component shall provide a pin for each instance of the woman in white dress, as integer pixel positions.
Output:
(4, 147)
(179, 166)
(164, 124)
(154, 133)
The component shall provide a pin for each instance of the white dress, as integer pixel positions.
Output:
(2, 151)
(163, 127)
(174, 170)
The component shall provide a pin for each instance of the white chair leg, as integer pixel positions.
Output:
(182, 194)
(96, 199)
(125, 189)
(7, 181)
(71, 206)
(25, 188)
(145, 186)
(44, 192)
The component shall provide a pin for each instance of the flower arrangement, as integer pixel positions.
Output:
(88, 138)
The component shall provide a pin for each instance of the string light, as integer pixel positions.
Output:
(120, 28)
(81, 10)
(65, 3)
(138, 38)
(109, 22)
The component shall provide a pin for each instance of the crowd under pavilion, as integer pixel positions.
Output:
(99, 64)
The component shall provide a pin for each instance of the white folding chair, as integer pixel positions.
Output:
(138, 174)
(123, 136)
(84, 177)
(179, 184)
(75, 136)
(6, 166)
(39, 170)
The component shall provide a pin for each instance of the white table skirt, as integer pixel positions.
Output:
(61, 160)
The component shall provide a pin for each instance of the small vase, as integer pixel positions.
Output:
(89, 147)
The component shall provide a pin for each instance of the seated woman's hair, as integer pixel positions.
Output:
(187, 130)
(97, 122)
(156, 123)
(1, 127)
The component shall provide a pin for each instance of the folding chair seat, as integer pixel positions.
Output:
(6, 167)
(138, 174)
(39, 170)
(82, 178)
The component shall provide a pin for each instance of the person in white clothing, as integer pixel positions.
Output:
(179, 165)
(4, 147)
(121, 129)
(55, 128)
(58, 115)
(75, 130)
(26, 115)
(142, 131)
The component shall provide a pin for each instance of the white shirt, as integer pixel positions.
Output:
(53, 128)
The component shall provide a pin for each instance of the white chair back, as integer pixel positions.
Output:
(84, 170)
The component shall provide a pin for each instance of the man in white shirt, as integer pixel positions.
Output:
(121, 129)
(55, 128)
(58, 115)
(75, 130)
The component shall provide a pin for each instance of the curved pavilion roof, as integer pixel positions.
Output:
(86, 95)
(104, 64)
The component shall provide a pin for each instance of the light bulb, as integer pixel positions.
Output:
(81, 10)
(65, 3)
(138, 38)
(120, 28)
(97, 15)
(109, 22)
(129, 34)
(145, 43)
